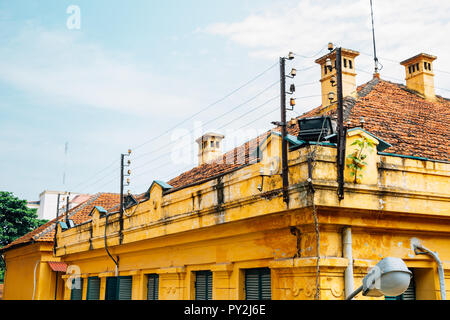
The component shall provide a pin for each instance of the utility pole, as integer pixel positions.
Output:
(284, 156)
(67, 209)
(122, 175)
(341, 135)
(56, 224)
(282, 124)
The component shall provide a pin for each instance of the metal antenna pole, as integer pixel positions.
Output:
(373, 40)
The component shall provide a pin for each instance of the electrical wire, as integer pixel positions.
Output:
(398, 79)
(207, 107)
(246, 125)
(192, 116)
(398, 62)
(309, 57)
(223, 126)
(93, 176)
(221, 115)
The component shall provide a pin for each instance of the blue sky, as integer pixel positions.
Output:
(136, 69)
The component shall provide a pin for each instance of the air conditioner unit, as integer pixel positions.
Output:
(316, 129)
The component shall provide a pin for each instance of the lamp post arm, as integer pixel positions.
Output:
(354, 293)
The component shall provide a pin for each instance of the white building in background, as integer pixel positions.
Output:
(48, 201)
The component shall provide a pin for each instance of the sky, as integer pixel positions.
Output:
(102, 77)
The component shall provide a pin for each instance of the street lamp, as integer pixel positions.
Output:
(390, 277)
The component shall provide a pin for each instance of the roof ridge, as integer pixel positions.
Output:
(367, 87)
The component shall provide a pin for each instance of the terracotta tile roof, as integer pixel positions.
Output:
(232, 160)
(412, 125)
(57, 266)
(78, 214)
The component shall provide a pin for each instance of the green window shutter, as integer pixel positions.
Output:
(410, 293)
(111, 288)
(125, 288)
(266, 288)
(203, 285)
(152, 287)
(93, 288)
(258, 284)
(76, 293)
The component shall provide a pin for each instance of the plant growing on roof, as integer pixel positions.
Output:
(357, 158)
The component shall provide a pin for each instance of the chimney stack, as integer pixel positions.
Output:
(348, 75)
(209, 147)
(419, 74)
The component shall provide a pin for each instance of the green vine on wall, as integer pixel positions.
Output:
(357, 158)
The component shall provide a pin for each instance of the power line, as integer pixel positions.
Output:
(221, 127)
(225, 113)
(192, 116)
(95, 175)
(207, 107)
(309, 57)
(246, 125)
(398, 62)
(398, 79)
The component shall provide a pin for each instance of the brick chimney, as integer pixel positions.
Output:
(348, 75)
(209, 147)
(419, 74)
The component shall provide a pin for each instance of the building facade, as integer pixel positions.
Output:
(223, 231)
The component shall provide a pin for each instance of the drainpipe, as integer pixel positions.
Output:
(106, 247)
(419, 249)
(34, 278)
(347, 251)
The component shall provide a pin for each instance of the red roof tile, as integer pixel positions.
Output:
(413, 126)
(78, 214)
(57, 266)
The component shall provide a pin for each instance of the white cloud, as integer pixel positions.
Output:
(403, 29)
(63, 68)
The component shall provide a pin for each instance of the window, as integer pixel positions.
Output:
(93, 288)
(204, 144)
(203, 285)
(76, 293)
(345, 63)
(118, 288)
(425, 66)
(152, 286)
(409, 294)
(257, 284)
(212, 144)
(217, 144)
(417, 67)
(409, 69)
(325, 69)
(350, 64)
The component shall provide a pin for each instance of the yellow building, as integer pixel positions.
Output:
(223, 231)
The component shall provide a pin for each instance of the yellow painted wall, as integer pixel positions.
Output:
(28, 274)
(227, 225)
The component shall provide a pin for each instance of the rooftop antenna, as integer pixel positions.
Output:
(66, 148)
(373, 39)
